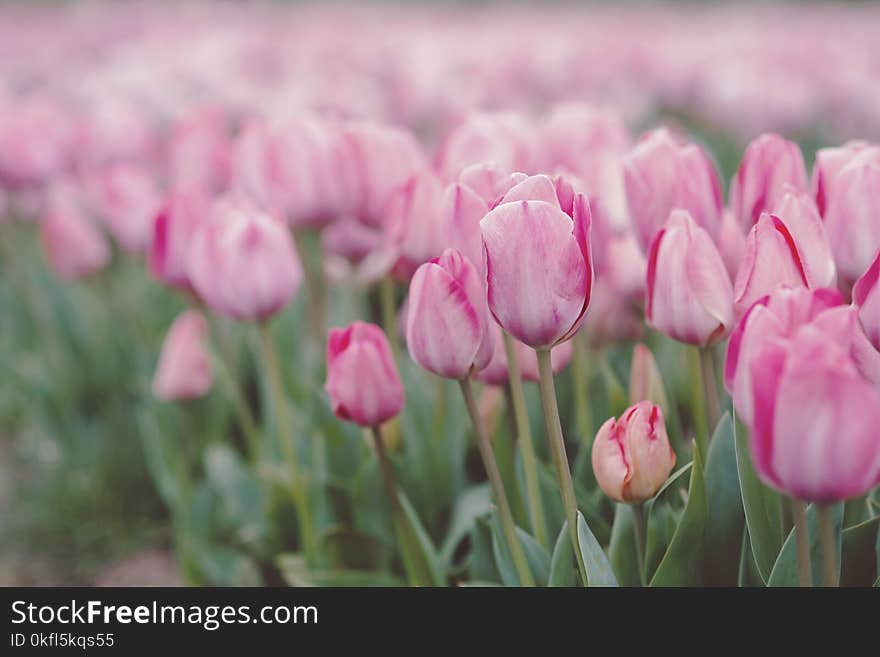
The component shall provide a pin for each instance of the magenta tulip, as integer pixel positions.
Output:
(185, 370)
(538, 264)
(689, 294)
(830, 453)
(447, 327)
(172, 237)
(866, 296)
(73, 245)
(661, 175)
(769, 167)
(362, 380)
(242, 262)
(632, 457)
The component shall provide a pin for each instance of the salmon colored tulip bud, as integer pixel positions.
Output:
(362, 379)
(689, 294)
(769, 166)
(73, 245)
(496, 373)
(866, 296)
(731, 243)
(127, 200)
(538, 264)
(242, 262)
(852, 214)
(814, 430)
(661, 175)
(632, 457)
(172, 237)
(185, 370)
(830, 162)
(447, 326)
(645, 381)
(788, 248)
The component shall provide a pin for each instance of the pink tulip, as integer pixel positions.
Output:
(632, 457)
(769, 167)
(447, 328)
(786, 249)
(200, 151)
(689, 294)
(73, 245)
(496, 373)
(661, 175)
(487, 180)
(185, 370)
(242, 262)
(36, 141)
(731, 243)
(829, 162)
(852, 214)
(645, 381)
(503, 138)
(538, 264)
(778, 316)
(172, 237)
(866, 296)
(362, 380)
(127, 199)
(461, 210)
(814, 431)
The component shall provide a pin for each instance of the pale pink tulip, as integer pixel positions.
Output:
(126, 199)
(866, 296)
(185, 370)
(73, 245)
(173, 234)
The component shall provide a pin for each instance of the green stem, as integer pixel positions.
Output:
(560, 458)
(698, 400)
(242, 411)
(799, 511)
(389, 313)
(527, 447)
(826, 539)
(710, 386)
(298, 490)
(580, 370)
(313, 273)
(517, 553)
(416, 569)
(640, 535)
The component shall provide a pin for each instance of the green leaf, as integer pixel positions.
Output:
(859, 551)
(785, 570)
(482, 560)
(599, 572)
(748, 571)
(471, 504)
(761, 506)
(677, 567)
(426, 547)
(563, 571)
(725, 521)
(537, 557)
(622, 550)
(294, 572)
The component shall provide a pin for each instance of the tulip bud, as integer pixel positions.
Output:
(127, 200)
(486, 180)
(538, 264)
(731, 243)
(660, 176)
(447, 328)
(504, 138)
(242, 262)
(830, 453)
(645, 381)
(460, 213)
(362, 379)
(788, 248)
(769, 166)
(172, 237)
(852, 214)
(200, 151)
(689, 294)
(829, 162)
(866, 296)
(632, 457)
(184, 370)
(73, 245)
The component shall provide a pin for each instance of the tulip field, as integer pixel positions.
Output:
(440, 295)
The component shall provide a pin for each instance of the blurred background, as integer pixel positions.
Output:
(81, 439)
